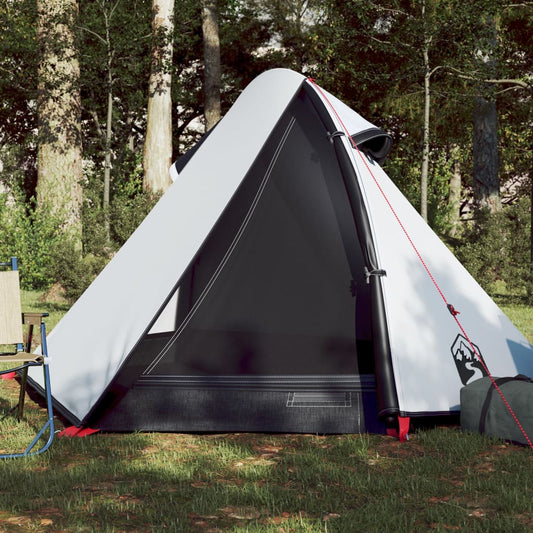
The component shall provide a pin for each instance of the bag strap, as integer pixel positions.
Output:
(486, 403)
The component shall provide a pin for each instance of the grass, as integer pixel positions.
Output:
(34, 301)
(520, 314)
(441, 480)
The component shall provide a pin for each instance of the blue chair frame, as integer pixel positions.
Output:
(21, 361)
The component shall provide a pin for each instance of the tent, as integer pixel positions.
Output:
(283, 283)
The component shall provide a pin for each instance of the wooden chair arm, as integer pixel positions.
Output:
(34, 319)
(22, 357)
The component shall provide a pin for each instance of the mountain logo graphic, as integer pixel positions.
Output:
(467, 362)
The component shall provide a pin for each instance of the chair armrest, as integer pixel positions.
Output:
(22, 357)
(33, 318)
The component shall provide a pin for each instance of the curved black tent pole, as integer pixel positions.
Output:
(388, 408)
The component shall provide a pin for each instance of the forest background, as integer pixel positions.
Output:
(98, 97)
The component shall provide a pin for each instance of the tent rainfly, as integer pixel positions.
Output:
(283, 283)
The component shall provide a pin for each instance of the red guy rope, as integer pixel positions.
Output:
(450, 307)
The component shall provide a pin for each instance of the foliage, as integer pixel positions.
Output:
(129, 205)
(370, 54)
(367, 53)
(128, 214)
(46, 253)
(187, 76)
(496, 247)
(18, 70)
(440, 217)
(115, 44)
(292, 26)
(245, 35)
(74, 272)
(29, 235)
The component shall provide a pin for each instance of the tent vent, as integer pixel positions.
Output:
(319, 399)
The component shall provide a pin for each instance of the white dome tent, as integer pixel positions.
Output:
(273, 288)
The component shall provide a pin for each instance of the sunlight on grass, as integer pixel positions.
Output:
(522, 317)
(442, 479)
(32, 302)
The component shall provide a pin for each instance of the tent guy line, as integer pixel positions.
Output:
(258, 290)
(449, 306)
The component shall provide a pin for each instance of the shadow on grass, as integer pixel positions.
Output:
(442, 479)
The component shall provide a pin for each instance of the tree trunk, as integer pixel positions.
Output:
(107, 162)
(425, 149)
(486, 180)
(530, 285)
(454, 196)
(157, 156)
(212, 71)
(109, 123)
(485, 152)
(59, 158)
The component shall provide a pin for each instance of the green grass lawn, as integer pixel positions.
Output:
(521, 315)
(32, 301)
(441, 480)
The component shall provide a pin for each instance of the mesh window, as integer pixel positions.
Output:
(271, 291)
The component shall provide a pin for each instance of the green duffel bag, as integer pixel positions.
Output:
(483, 410)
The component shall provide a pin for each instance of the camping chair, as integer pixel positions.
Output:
(19, 358)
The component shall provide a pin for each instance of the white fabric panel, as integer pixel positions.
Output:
(422, 330)
(351, 120)
(166, 321)
(89, 344)
(173, 173)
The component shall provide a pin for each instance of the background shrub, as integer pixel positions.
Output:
(496, 248)
(30, 236)
(47, 255)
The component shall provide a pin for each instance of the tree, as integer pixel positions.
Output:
(158, 143)
(387, 60)
(115, 42)
(292, 23)
(497, 69)
(212, 70)
(18, 93)
(60, 148)
(486, 180)
(107, 12)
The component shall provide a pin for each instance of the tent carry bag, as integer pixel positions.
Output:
(483, 410)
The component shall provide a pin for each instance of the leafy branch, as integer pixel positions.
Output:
(515, 82)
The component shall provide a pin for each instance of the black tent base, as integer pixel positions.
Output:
(187, 410)
(425, 421)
